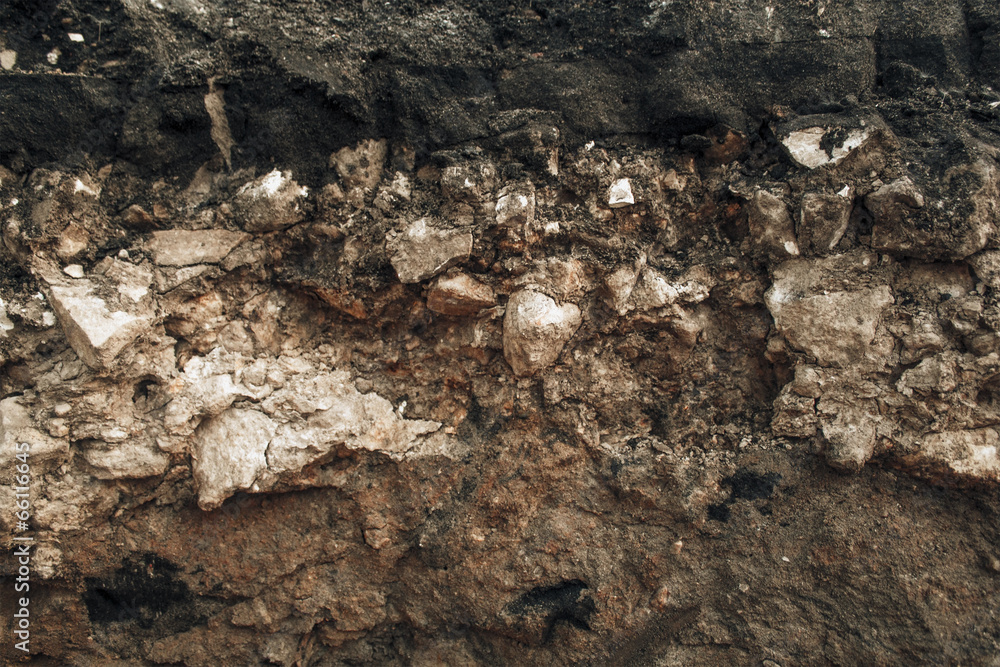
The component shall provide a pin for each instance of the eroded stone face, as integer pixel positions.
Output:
(535, 330)
(229, 454)
(273, 201)
(100, 327)
(181, 247)
(423, 251)
(836, 329)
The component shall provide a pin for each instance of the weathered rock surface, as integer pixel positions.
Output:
(539, 333)
(535, 330)
(177, 247)
(423, 251)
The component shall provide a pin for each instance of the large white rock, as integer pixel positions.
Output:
(229, 454)
(535, 330)
(182, 247)
(972, 455)
(814, 147)
(95, 330)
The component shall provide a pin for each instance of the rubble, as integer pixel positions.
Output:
(545, 334)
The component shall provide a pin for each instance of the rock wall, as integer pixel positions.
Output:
(648, 333)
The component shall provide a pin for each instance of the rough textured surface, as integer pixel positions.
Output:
(547, 333)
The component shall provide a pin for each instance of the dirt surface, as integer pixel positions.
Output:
(550, 333)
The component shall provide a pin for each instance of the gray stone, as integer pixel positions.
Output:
(422, 252)
(181, 247)
(771, 228)
(836, 328)
(273, 201)
(535, 330)
(823, 219)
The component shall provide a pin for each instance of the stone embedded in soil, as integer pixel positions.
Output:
(459, 294)
(16, 427)
(273, 201)
(98, 330)
(535, 330)
(771, 227)
(620, 194)
(818, 146)
(968, 455)
(515, 209)
(361, 166)
(229, 454)
(836, 328)
(134, 458)
(182, 247)
(849, 431)
(422, 252)
(823, 219)
(950, 216)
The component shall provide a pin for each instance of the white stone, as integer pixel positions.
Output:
(516, 208)
(621, 282)
(229, 454)
(620, 194)
(75, 37)
(804, 146)
(7, 59)
(536, 329)
(181, 247)
(837, 329)
(970, 454)
(97, 333)
(5, 323)
(74, 271)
